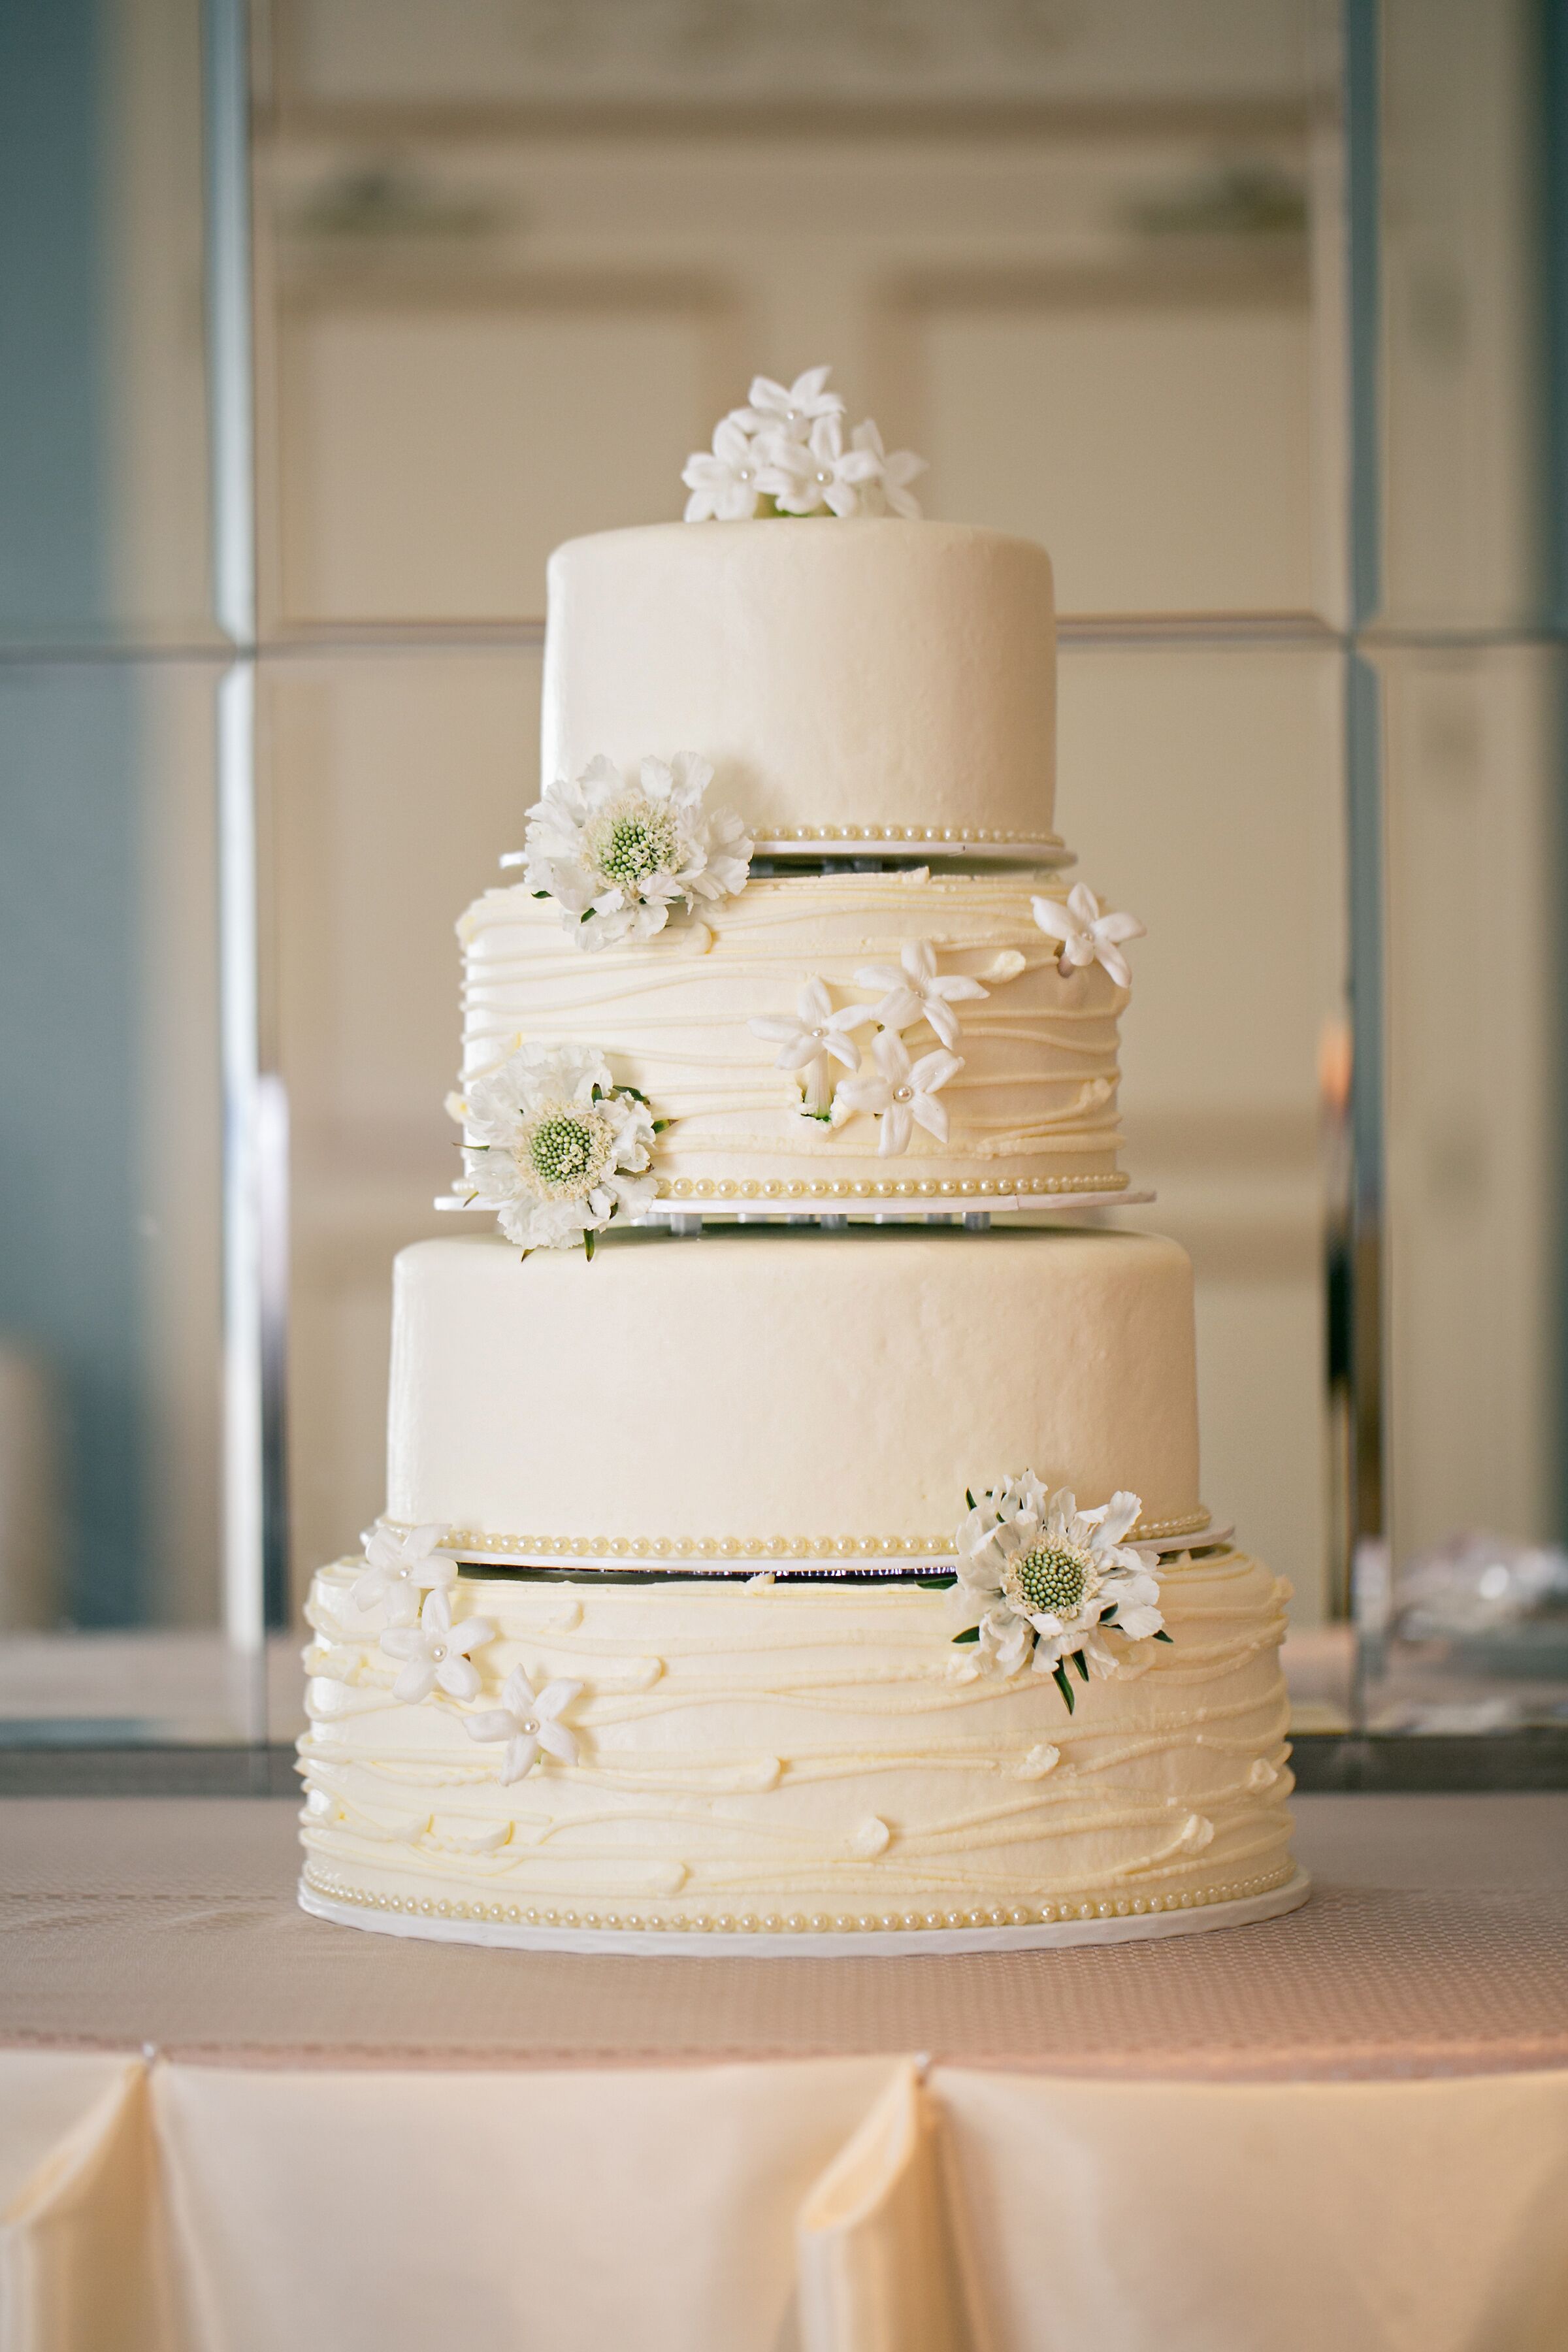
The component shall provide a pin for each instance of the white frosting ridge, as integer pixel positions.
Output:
(758, 1774)
(858, 673)
(750, 1386)
(1037, 1094)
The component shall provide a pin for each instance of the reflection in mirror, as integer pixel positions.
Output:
(1085, 260)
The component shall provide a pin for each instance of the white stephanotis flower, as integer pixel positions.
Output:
(399, 1568)
(917, 992)
(802, 477)
(616, 855)
(904, 1092)
(888, 489)
(435, 1653)
(1087, 935)
(557, 1146)
(811, 1036)
(789, 410)
(528, 1721)
(1039, 1578)
(723, 481)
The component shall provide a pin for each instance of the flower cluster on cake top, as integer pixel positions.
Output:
(616, 854)
(785, 453)
(1042, 1583)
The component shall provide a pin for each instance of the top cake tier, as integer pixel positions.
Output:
(850, 682)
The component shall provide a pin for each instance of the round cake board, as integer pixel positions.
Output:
(872, 1943)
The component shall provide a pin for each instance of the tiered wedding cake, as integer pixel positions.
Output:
(731, 1582)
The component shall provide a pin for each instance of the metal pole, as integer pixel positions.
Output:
(1363, 1273)
(255, 1116)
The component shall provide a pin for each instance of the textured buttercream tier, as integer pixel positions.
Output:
(1032, 1109)
(809, 1393)
(857, 674)
(802, 1757)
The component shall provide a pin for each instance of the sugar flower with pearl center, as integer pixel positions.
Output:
(915, 990)
(436, 1654)
(528, 1721)
(811, 1037)
(903, 1093)
(399, 1568)
(1087, 935)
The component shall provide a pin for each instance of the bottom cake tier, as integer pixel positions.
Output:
(785, 1759)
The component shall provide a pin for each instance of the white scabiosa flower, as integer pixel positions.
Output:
(617, 856)
(903, 1093)
(886, 491)
(1087, 935)
(810, 1038)
(915, 990)
(528, 1721)
(436, 1655)
(399, 1568)
(1039, 1580)
(556, 1147)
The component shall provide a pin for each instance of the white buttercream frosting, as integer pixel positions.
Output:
(866, 672)
(805, 1750)
(1035, 1095)
(757, 1385)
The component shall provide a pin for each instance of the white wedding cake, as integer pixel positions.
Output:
(792, 1532)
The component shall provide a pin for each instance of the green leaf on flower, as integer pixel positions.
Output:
(1081, 1663)
(635, 1093)
(1162, 1635)
(1059, 1676)
(587, 916)
(969, 1498)
(971, 1633)
(588, 1244)
(659, 1125)
(541, 894)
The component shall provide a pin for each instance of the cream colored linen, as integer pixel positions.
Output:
(1303, 2217)
(817, 2205)
(650, 2210)
(79, 2254)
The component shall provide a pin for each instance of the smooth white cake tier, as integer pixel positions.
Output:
(798, 1759)
(765, 1394)
(1032, 1110)
(854, 675)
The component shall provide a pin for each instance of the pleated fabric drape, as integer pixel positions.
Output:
(824, 2205)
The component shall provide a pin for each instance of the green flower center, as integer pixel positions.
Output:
(1047, 1581)
(631, 842)
(567, 1150)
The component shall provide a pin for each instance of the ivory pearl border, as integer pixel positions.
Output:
(1106, 1919)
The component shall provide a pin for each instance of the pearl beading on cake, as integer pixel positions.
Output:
(996, 836)
(798, 1923)
(661, 1550)
(781, 1188)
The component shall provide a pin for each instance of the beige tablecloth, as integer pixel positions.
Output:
(1346, 2129)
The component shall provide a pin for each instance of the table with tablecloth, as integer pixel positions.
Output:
(227, 2128)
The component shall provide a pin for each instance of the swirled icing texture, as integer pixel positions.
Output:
(1035, 1096)
(862, 673)
(799, 1750)
(754, 1383)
